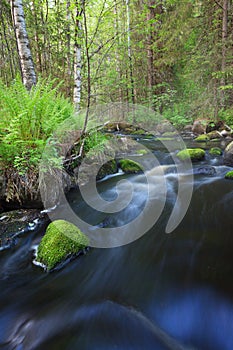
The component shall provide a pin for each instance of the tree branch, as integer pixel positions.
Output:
(217, 3)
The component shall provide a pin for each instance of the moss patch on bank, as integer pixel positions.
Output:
(61, 240)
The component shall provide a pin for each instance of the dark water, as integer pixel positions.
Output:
(163, 291)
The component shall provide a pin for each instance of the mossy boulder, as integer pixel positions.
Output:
(214, 135)
(61, 240)
(228, 155)
(229, 175)
(129, 166)
(108, 168)
(215, 151)
(141, 152)
(195, 154)
(202, 138)
(170, 134)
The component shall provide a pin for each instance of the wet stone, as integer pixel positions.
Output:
(17, 222)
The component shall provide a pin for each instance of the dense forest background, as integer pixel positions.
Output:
(175, 56)
(58, 57)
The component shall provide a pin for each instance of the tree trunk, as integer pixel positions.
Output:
(25, 57)
(77, 59)
(132, 95)
(224, 48)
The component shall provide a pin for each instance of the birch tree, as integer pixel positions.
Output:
(25, 57)
(77, 58)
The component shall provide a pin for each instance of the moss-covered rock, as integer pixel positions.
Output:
(202, 138)
(194, 154)
(139, 132)
(214, 135)
(228, 155)
(229, 175)
(61, 240)
(129, 166)
(141, 152)
(170, 134)
(215, 151)
(108, 168)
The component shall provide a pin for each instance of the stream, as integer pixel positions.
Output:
(162, 291)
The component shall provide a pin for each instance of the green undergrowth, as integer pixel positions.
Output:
(27, 120)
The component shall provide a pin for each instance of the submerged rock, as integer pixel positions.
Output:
(195, 154)
(129, 166)
(206, 170)
(62, 239)
(16, 222)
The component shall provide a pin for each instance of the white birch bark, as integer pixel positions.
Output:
(25, 57)
(77, 76)
(77, 62)
(130, 53)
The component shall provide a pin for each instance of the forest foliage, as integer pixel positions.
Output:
(173, 56)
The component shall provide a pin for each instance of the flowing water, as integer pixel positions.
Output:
(163, 291)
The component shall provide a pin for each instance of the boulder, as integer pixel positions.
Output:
(129, 166)
(202, 138)
(195, 154)
(214, 135)
(215, 151)
(228, 155)
(165, 127)
(62, 240)
(229, 175)
(206, 170)
(199, 126)
(212, 126)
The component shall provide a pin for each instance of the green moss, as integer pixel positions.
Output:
(170, 134)
(107, 169)
(61, 240)
(129, 166)
(138, 132)
(229, 175)
(194, 154)
(215, 151)
(141, 151)
(202, 138)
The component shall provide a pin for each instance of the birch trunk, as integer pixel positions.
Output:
(132, 95)
(224, 49)
(25, 57)
(77, 62)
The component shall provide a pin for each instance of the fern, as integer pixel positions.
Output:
(27, 120)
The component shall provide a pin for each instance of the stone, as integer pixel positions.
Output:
(229, 175)
(62, 240)
(228, 155)
(199, 126)
(129, 166)
(215, 151)
(202, 138)
(195, 154)
(16, 222)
